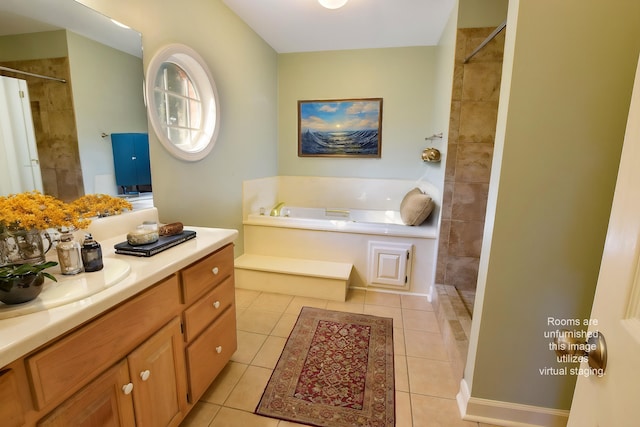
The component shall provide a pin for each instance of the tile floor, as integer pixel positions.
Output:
(425, 385)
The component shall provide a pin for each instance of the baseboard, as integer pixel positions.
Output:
(507, 414)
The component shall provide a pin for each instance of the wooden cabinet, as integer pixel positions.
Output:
(210, 320)
(207, 355)
(70, 363)
(143, 363)
(131, 159)
(103, 403)
(11, 410)
(156, 369)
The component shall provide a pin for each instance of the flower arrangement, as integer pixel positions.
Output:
(36, 211)
(99, 205)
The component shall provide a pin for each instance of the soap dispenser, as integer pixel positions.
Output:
(91, 254)
(69, 255)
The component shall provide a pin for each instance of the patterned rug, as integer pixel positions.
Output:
(336, 370)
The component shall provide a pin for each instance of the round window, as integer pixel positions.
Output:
(182, 102)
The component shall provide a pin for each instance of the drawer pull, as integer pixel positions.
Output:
(215, 270)
(219, 349)
(127, 388)
(145, 375)
(216, 304)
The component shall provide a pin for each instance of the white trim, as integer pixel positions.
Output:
(505, 413)
(198, 72)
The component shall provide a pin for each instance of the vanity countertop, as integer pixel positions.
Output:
(21, 334)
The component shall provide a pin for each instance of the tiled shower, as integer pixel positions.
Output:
(474, 108)
(54, 125)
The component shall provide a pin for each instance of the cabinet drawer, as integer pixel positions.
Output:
(65, 366)
(210, 352)
(207, 309)
(206, 273)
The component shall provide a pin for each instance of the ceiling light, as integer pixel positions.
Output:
(333, 4)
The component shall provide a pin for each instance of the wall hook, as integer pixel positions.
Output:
(434, 136)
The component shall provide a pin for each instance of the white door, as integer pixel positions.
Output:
(613, 400)
(20, 164)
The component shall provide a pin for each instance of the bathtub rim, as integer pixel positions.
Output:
(424, 231)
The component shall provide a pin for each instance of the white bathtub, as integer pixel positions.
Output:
(344, 220)
(348, 220)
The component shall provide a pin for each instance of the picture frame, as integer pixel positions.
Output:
(340, 128)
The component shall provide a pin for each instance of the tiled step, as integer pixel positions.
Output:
(293, 276)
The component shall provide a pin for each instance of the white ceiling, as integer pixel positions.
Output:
(30, 16)
(305, 26)
(286, 25)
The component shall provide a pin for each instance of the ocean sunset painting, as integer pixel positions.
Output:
(340, 128)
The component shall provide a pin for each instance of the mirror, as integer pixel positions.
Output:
(182, 102)
(102, 64)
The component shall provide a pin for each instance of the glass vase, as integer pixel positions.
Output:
(20, 246)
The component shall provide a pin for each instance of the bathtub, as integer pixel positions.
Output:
(343, 220)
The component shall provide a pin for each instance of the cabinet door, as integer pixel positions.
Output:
(10, 405)
(143, 163)
(124, 158)
(158, 374)
(102, 403)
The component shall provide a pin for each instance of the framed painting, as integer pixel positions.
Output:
(340, 128)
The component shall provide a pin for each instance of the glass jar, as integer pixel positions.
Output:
(91, 254)
(69, 255)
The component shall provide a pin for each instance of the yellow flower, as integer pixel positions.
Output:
(34, 210)
(99, 205)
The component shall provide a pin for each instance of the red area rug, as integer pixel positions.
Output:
(336, 370)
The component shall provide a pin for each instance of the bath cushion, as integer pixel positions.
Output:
(416, 207)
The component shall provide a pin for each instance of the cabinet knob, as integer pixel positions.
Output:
(216, 304)
(145, 375)
(219, 349)
(127, 388)
(215, 270)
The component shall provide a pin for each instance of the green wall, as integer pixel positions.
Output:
(21, 47)
(108, 98)
(403, 77)
(209, 192)
(563, 107)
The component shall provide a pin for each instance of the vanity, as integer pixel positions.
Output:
(141, 351)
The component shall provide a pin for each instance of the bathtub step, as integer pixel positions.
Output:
(293, 276)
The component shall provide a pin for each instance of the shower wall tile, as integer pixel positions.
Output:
(454, 122)
(49, 180)
(68, 180)
(450, 162)
(474, 106)
(465, 238)
(458, 81)
(462, 272)
(443, 248)
(478, 121)
(55, 126)
(473, 162)
(492, 52)
(469, 201)
(482, 81)
(447, 200)
(461, 45)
